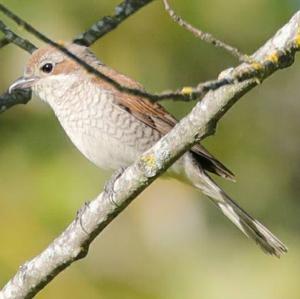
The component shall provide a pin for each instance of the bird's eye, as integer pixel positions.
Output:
(47, 68)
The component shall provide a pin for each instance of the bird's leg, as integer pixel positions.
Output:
(109, 185)
(108, 190)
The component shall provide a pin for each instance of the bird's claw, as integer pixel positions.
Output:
(109, 186)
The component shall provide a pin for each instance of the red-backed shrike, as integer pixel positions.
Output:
(112, 128)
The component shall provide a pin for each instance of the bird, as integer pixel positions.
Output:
(112, 128)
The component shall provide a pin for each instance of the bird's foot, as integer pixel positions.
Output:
(109, 185)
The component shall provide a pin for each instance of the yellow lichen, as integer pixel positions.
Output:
(273, 57)
(256, 65)
(297, 40)
(187, 90)
(149, 160)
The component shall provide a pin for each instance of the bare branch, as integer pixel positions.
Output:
(74, 242)
(183, 94)
(99, 29)
(108, 23)
(88, 67)
(205, 36)
(17, 40)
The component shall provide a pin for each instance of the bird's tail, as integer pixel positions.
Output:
(248, 225)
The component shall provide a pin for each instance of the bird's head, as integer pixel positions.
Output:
(49, 70)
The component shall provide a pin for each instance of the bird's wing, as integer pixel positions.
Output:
(155, 116)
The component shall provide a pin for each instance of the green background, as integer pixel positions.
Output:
(171, 242)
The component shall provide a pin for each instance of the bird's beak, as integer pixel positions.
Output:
(22, 83)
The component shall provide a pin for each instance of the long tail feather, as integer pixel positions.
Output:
(251, 227)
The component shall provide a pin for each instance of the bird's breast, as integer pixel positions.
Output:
(104, 132)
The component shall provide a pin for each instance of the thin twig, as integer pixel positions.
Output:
(17, 40)
(20, 96)
(183, 94)
(205, 36)
(74, 242)
(88, 67)
(108, 23)
(99, 29)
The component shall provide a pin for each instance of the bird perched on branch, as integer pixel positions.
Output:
(112, 128)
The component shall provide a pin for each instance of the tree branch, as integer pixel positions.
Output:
(183, 94)
(99, 29)
(205, 36)
(108, 23)
(254, 70)
(12, 37)
(19, 96)
(16, 97)
(74, 242)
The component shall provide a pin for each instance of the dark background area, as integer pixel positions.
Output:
(171, 242)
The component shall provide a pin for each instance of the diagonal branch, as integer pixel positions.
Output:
(74, 242)
(20, 96)
(99, 29)
(108, 23)
(12, 37)
(253, 70)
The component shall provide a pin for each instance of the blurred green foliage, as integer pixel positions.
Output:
(167, 244)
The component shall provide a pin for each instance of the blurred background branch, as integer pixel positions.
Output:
(108, 23)
(12, 37)
(205, 36)
(182, 94)
(125, 9)
(74, 242)
(99, 29)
